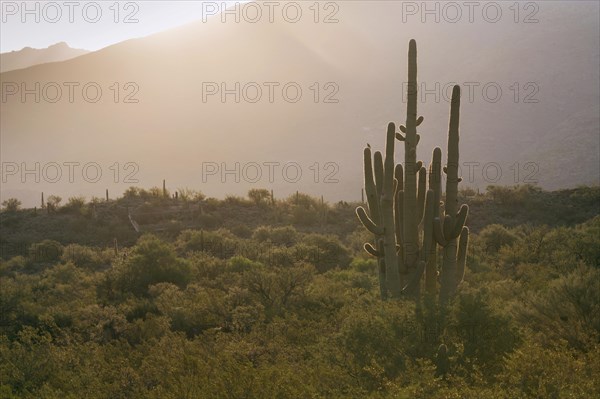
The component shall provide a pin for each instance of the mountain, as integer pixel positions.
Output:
(28, 56)
(533, 115)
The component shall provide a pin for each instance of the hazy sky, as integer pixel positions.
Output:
(42, 23)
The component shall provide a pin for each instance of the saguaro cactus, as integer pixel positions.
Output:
(452, 227)
(404, 216)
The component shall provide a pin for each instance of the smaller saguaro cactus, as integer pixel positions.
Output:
(442, 363)
(450, 231)
(380, 189)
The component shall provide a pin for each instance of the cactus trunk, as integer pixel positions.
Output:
(411, 232)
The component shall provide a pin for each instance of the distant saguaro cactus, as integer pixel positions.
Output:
(404, 214)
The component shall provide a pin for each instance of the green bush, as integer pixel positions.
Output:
(84, 257)
(151, 261)
(47, 251)
(496, 236)
(324, 251)
(285, 236)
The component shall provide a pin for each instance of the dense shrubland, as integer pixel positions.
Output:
(246, 298)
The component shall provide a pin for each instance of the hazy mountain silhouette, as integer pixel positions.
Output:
(171, 130)
(28, 56)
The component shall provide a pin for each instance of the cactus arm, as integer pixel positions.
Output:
(427, 225)
(367, 222)
(370, 189)
(452, 165)
(392, 274)
(411, 112)
(422, 191)
(400, 256)
(435, 179)
(399, 216)
(461, 218)
(378, 166)
(463, 245)
(398, 209)
(435, 185)
(399, 175)
(448, 227)
(438, 234)
(371, 250)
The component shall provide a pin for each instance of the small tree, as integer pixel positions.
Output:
(258, 195)
(188, 194)
(53, 202)
(11, 205)
(131, 192)
(75, 204)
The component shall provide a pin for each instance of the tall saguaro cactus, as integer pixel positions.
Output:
(411, 168)
(404, 215)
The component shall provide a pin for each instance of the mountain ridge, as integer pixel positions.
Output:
(28, 56)
(171, 131)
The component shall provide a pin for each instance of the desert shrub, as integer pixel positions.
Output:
(512, 196)
(496, 236)
(324, 251)
(83, 256)
(552, 370)
(302, 216)
(277, 235)
(236, 200)
(485, 335)
(240, 264)
(259, 195)
(568, 310)
(210, 220)
(584, 242)
(151, 261)
(187, 194)
(220, 243)
(74, 205)
(46, 251)
(364, 265)
(241, 231)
